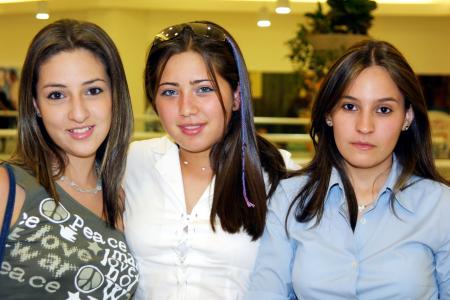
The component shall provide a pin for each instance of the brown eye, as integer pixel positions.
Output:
(94, 91)
(349, 106)
(55, 96)
(384, 110)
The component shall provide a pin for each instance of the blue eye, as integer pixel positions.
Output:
(168, 93)
(55, 96)
(384, 110)
(205, 89)
(94, 91)
(349, 106)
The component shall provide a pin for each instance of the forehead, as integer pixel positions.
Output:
(185, 64)
(79, 59)
(372, 83)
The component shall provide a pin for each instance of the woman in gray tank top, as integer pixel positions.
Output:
(65, 239)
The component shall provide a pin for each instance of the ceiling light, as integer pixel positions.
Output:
(42, 12)
(16, 1)
(283, 7)
(263, 19)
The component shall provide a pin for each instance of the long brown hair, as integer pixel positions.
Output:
(36, 151)
(223, 57)
(413, 148)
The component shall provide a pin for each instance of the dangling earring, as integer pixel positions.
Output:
(38, 114)
(329, 121)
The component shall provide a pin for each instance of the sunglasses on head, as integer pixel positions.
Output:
(198, 28)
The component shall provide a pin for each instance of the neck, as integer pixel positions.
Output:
(82, 170)
(367, 182)
(196, 158)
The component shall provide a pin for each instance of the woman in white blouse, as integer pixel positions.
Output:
(196, 201)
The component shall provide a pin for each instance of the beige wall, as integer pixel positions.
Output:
(424, 41)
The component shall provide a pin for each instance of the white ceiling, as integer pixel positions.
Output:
(385, 7)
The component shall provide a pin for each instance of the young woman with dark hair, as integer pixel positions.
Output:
(74, 126)
(368, 218)
(196, 201)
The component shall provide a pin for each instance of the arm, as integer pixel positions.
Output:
(271, 278)
(4, 190)
(442, 255)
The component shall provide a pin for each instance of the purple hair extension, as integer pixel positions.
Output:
(244, 94)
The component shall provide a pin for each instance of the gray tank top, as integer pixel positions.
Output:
(63, 251)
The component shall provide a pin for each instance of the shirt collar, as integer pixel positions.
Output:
(335, 186)
(408, 200)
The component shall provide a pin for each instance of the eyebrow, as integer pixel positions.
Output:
(194, 82)
(384, 99)
(59, 85)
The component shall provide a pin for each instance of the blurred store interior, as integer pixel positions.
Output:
(420, 29)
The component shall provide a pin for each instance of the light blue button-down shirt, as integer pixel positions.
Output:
(387, 257)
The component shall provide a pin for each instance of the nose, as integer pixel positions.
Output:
(365, 123)
(187, 105)
(79, 111)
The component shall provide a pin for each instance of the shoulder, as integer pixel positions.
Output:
(149, 145)
(286, 192)
(421, 187)
(4, 190)
(292, 186)
(146, 148)
(4, 185)
(423, 193)
(288, 161)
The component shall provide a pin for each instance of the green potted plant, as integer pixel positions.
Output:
(326, 36)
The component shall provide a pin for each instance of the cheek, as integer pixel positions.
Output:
(341, 131)
(167, 114)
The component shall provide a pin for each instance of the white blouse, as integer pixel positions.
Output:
(178, 254)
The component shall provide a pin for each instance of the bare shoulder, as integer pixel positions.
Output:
(4, 191)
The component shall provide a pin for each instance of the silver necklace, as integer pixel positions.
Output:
(361, 207)
(80, 189)
(364, 207)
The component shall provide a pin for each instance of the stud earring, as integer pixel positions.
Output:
(329, 122)
(405, 126)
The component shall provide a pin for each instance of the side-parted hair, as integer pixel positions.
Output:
(224, 58)
(413, 148)
(36, 151)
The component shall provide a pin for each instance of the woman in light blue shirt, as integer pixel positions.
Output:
(369, 218)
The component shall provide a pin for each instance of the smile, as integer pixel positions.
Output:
(191, 129)
(81, 132)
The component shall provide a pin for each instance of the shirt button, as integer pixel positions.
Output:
(354, 264)
(363, 221)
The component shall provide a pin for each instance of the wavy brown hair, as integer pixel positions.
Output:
(224, 57)
(413, 148)
(36, 151)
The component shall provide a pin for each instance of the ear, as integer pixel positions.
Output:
(409, 118)
(236, 99)
(36, 107)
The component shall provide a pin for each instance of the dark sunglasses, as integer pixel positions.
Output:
(198, 28)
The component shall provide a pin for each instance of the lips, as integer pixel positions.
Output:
(363, 146)
(192, 129)
(81, 133)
